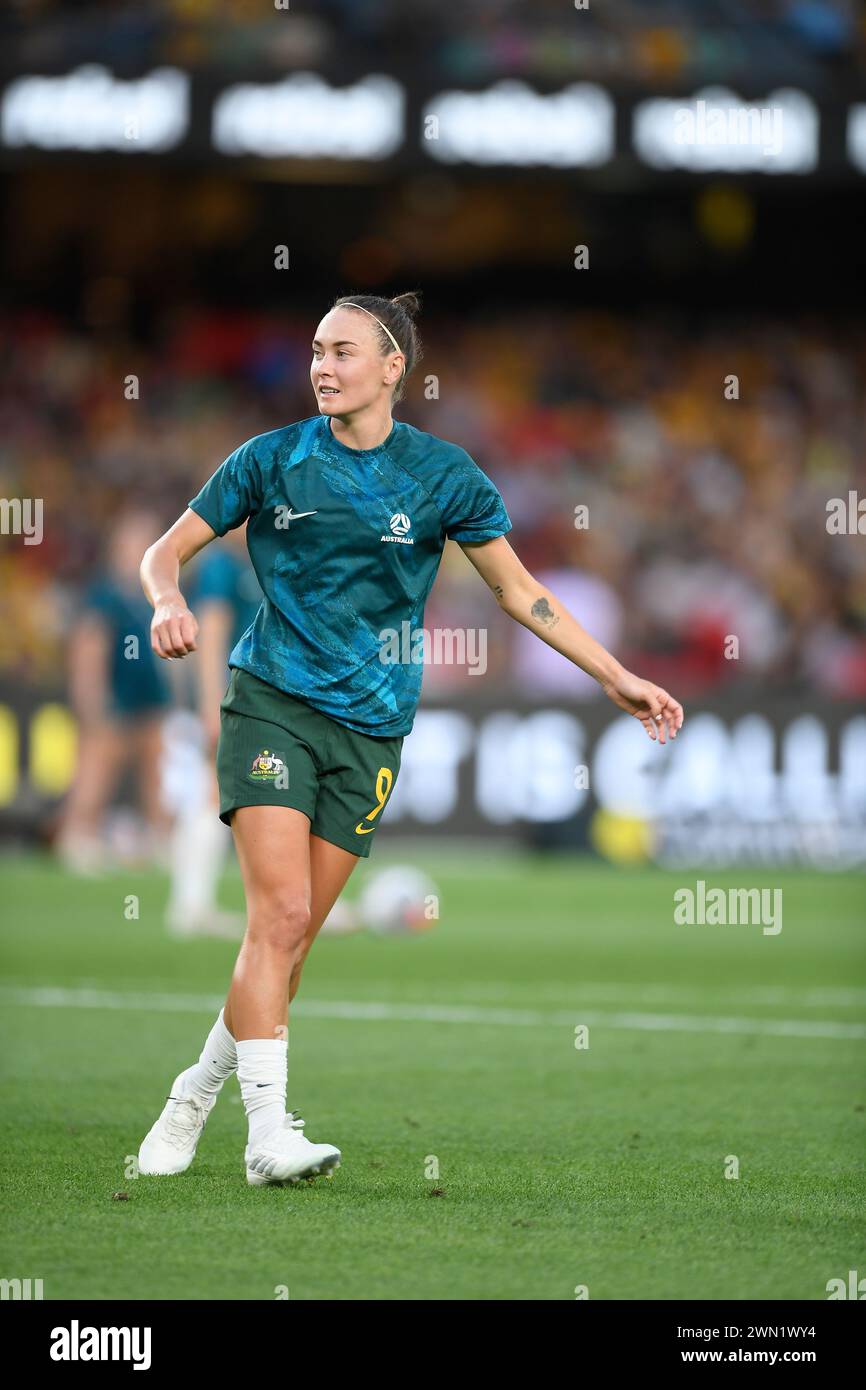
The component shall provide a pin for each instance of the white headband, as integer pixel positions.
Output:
(347, 304)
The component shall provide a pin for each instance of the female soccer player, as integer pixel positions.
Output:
(348, 512)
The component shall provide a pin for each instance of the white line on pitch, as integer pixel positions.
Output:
(49, 997)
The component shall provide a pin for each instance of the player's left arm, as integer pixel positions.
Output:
(527, 601)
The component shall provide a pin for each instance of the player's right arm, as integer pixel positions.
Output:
(174, 629)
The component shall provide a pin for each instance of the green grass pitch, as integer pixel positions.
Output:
(485, 1156)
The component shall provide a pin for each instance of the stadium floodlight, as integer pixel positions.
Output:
(717, 131)
(91, 109)
(302, 117)
(509, 123)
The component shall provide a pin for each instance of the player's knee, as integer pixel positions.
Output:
(282, 922)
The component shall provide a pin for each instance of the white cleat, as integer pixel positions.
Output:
(283, 1155)
(169, 1147)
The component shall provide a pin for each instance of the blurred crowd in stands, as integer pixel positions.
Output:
(633, 40)
(669, 483)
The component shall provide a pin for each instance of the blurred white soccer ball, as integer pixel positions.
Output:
(399, 899)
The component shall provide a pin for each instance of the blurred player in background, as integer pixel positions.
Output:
(227, 598)
(120, 695)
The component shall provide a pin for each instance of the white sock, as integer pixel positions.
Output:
(218, 1060)
(263, 1065)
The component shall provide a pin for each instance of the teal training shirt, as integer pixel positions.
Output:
(346, 544)
(137, 682)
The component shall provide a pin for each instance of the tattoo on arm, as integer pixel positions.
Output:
(542, 611)
(498, 590)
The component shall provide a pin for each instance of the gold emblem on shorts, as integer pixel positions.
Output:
(266, 766)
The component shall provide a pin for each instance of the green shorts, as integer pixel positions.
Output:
(276, 750)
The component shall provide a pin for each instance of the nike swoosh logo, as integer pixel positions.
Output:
(293, 516)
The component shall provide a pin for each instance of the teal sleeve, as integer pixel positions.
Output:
(473, 509)
(233, 492)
